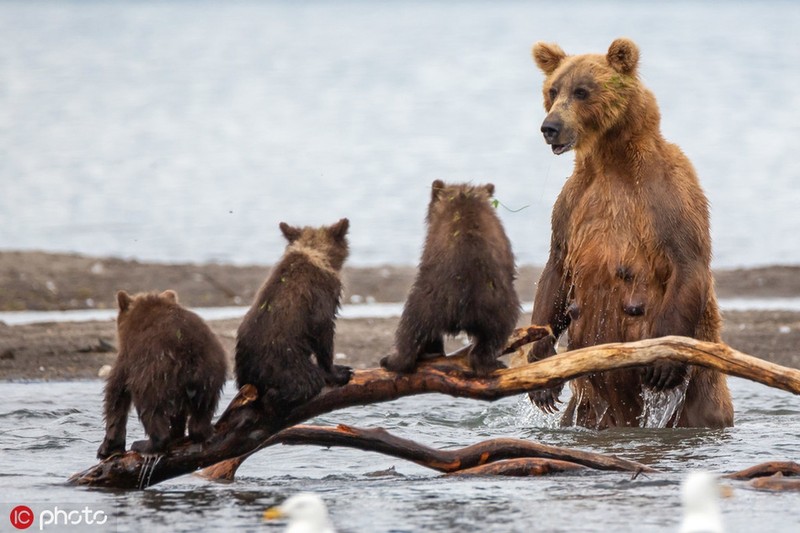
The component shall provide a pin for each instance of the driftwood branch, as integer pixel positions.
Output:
(226, 470)
(491, 457)
(246, 425)
(447, 461)
(522, 467)
(772, 476)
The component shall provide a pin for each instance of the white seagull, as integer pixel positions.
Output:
(700, 494)
(306, 512)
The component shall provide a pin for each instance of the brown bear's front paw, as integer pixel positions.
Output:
(542, 349)
(109, 448)
(664, 375)
(546, 399)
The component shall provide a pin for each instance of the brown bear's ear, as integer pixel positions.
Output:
(170, 295)
(436, 189)
(548, 56)
(290, 232)
(123, 300)
(339, 230)
(489, 188)
(623, 56)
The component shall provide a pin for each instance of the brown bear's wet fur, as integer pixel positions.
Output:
(170, 364)
(630, 250)
(465, 282)
(293, 317)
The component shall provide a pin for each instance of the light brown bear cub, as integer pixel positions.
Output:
(293, 318)
(465, 282)
(170, 364)
(630, 248)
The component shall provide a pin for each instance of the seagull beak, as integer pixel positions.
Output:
(272, 513)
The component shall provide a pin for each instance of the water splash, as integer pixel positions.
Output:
(140, 480)
(524, 415)
(149, 464)
(578, 400)
(600, 407)
(152, 469)
(661, 407)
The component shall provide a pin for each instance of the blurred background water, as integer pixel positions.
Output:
(186, 130)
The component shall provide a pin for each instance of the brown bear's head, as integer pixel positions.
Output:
(585, 95)
(327, 244)
(141, 304)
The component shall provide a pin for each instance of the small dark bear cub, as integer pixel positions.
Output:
(465, 282)
(170, 364)
(293, 317)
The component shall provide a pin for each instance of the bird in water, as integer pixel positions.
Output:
(700, 492)
(306, 513)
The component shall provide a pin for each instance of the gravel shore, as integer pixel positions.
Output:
(78, 350)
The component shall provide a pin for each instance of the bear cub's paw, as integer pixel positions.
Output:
(484, 368)
(109, 448)
(200, 434)
(391, 363)
(340, 375)
(143, 447)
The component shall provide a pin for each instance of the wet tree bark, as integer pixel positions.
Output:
(522, 467)
(247, 424)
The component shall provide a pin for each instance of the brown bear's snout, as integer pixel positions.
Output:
(551, 129)
(560, 138)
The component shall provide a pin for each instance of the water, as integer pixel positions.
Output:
(186, 130)
(49, 432)
(347, 311)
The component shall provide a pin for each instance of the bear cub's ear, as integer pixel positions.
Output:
(123, 300)
(489, 188)
(339, 230)
(290, 232)
(548, 56)
(436, 189)
(623, 56)
(170, 295)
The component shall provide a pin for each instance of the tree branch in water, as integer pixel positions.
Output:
(247, 424)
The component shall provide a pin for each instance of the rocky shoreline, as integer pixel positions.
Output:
(78, 350)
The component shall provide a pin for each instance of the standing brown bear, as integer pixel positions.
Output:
(170, 364)
(630, 250)
(293, 318)
(465, 282)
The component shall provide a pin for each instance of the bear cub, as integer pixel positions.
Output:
(170, 364)
(465, 282)
(293, 318)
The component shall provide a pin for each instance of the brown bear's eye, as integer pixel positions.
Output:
(581, 94)
(553, 93)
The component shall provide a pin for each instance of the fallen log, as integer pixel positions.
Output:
(246, 424)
